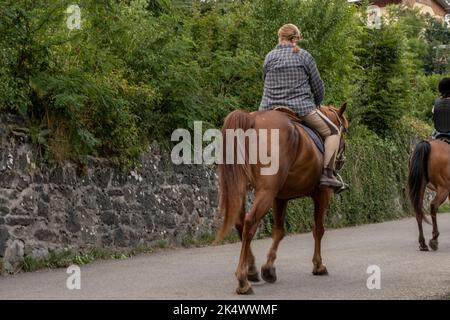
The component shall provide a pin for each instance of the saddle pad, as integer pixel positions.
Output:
(315, 136)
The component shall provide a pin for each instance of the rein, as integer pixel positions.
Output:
(340, 157)
(342, 128)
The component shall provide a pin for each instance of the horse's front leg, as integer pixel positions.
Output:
(321, 202)
(251, 221)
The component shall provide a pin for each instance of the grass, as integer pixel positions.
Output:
(208, 239)
(65, 258)
(444, 208)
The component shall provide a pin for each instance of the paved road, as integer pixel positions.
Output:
(208, 273)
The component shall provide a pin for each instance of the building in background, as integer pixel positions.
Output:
(436, 8)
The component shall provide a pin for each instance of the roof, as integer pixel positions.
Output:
(444, 3)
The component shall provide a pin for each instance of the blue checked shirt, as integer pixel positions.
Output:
(291, 80)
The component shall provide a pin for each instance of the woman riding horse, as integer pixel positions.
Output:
(430, 166)
(300, 163)
(291, 79)
(441, 110)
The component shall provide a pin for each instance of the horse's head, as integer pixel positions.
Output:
(336, 115)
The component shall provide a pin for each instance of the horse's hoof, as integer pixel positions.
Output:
(253, 277)
(269, 274)
(247, 290)
(320, 271)
(424, 248)
(434, 244)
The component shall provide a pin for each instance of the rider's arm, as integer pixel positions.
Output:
(266, 61)
(315, 81)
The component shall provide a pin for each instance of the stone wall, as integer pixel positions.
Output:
(44, 208)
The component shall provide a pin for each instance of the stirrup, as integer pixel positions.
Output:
(344, 187)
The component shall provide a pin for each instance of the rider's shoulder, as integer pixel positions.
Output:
(442, 102)
(305, 54)
(305, 57)
(271, 54)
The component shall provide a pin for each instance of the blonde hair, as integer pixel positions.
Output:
(290, 32)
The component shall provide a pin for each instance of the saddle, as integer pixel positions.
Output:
(315, 136)
(318, 141)
(444, 137)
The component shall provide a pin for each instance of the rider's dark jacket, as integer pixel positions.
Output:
(441, 115)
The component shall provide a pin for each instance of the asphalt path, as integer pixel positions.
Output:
(208, 272)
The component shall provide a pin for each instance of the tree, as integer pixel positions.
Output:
(384, 87)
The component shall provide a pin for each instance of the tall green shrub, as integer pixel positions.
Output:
(70, 82)
(384, 87)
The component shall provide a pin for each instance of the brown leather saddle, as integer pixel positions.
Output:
(291, 114)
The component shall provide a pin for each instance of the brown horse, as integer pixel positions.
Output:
(429, 166)
(300, 169)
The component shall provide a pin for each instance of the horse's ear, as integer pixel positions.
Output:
(342, 109)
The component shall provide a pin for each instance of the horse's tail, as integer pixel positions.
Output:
(233, 178)
(418, 177)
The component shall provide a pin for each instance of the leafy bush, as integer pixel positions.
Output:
(70, 82)
(384, 86)
(139, 69)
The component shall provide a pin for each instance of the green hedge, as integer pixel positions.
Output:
(138, 69)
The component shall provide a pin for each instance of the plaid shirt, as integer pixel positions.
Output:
(291, 80)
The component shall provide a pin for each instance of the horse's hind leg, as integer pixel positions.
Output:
(268, 272)
(440, 197)
(321, 201)
(422, 245)
(252, 272)
(259, 208)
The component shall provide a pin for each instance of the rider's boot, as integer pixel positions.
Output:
(329, 180)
